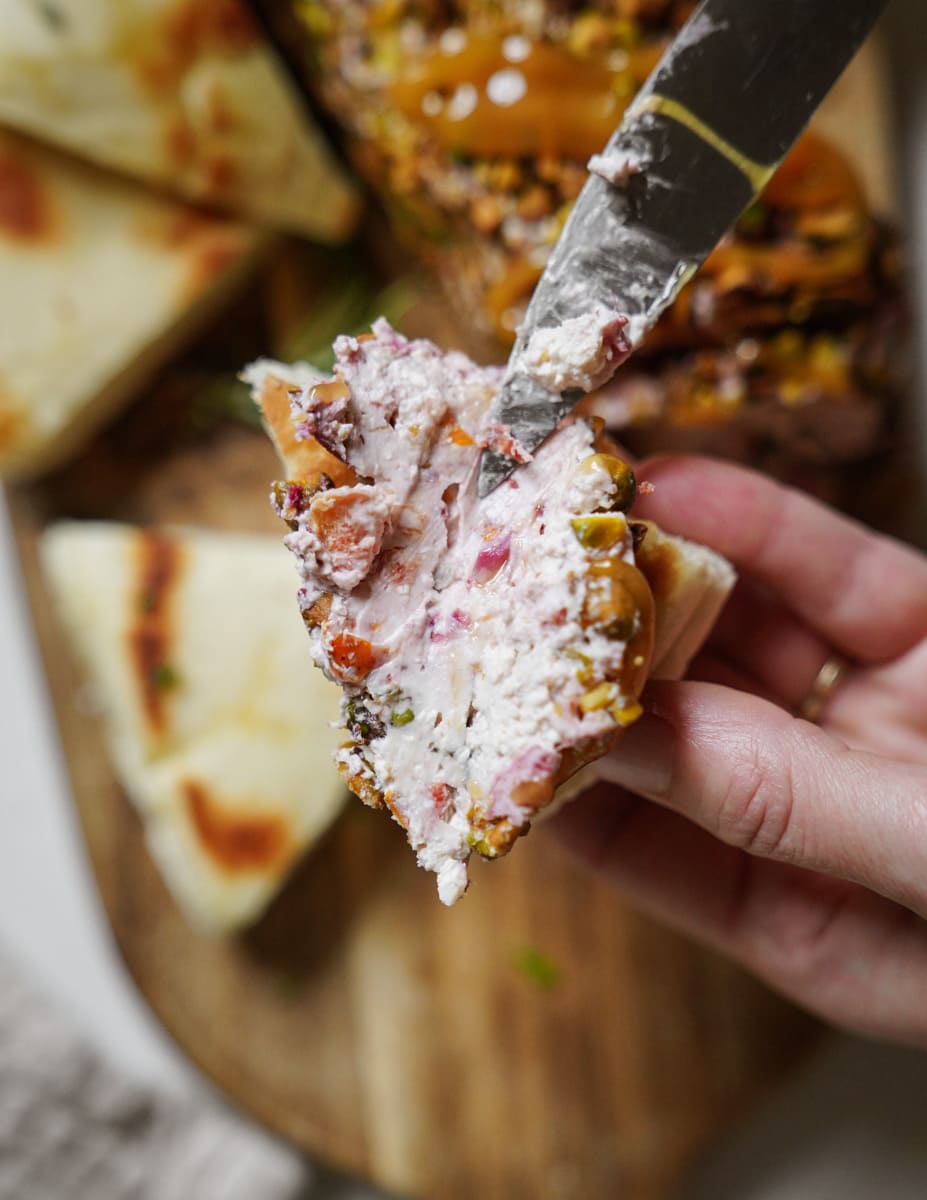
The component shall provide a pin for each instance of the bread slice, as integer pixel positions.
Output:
(218, 728)
(181, 93)
(487, 649)
(690, 584)
(100, 281)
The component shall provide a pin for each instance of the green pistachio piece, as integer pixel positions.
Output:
(165, 676)
(599, 531)
(621, 474)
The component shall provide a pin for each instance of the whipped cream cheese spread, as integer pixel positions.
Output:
(582, 352)
(616, 166)
(486, 648)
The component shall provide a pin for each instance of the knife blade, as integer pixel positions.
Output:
(699, 142)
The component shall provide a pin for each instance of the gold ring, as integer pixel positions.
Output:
(825, 684)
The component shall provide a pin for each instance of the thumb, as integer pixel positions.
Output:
(778, 787)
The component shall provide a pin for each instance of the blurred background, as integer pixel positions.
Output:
(213, 974)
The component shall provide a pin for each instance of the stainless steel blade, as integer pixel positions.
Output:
(700, 141)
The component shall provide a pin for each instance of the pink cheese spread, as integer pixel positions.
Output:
(486, 648)
(582, 352)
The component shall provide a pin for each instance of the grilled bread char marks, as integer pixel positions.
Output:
(485, 648)
(236, 842)
(151, 634)
(27, 212)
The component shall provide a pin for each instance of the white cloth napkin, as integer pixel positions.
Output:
(73, 1128)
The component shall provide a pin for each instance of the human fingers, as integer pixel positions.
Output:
(888, 712)
(853, 957)
(865, 594)
(779, 788)
(762, 638)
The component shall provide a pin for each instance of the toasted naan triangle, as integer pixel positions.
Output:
(100, 282)
(217, 725)
(185, 94)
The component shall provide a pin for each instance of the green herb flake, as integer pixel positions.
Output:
(51, 14)
(753, 219)
(350, 307)
(538, 967)
(287, 985)
(402, 718)
(165, 676)
(219, 399)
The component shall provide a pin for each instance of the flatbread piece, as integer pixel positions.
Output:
(216, 724)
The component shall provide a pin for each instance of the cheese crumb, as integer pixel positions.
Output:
(583, 352)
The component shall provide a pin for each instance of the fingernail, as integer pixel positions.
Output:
(642, 760)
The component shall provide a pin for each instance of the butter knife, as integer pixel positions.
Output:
(699, 142)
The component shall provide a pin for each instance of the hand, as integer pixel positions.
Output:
(798, 849)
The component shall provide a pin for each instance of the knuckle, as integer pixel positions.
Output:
(793, 932)
(802, 960)
(755, 810)
(807, 950)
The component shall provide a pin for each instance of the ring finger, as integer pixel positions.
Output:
(763, 639)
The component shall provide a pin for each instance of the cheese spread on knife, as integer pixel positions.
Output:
(486, 649)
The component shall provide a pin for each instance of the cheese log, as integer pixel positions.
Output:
(217, 726)
(181, 93)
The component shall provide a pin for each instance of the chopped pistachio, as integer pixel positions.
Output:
(315, 18)
(402, 718)
(627, 31)
(621, 474)
(165, 676)
(599, 531)
(481, 845)
(51, 14)
(753, 219)
(626, 714)
(608, 604)
(599, 697)
(537, 966)
(361, 723)
(589, 33)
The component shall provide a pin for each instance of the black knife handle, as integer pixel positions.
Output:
(714, 120)
(765, 46)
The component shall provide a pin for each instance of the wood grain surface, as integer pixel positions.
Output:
(381, 1032)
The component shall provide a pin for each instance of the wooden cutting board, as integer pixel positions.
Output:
(540, 1040)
